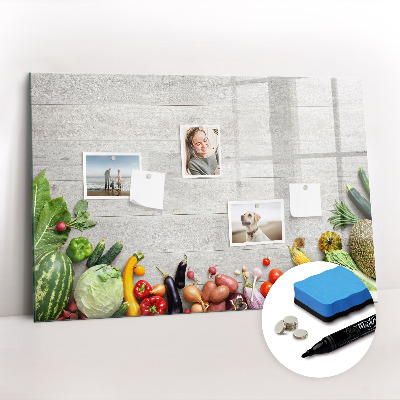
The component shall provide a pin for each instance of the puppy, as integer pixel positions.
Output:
(253, 232)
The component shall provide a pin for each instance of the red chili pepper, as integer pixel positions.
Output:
(153, 306)
(142, 289)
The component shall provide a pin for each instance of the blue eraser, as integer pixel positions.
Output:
(332, 294)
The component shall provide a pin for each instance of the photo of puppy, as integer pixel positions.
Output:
(256, 222)
(253, 233)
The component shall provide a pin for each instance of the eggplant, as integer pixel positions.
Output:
(173, 299)
(236, 302)
(181, 273)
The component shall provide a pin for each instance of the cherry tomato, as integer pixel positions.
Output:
(264, 289)
(274, 274)
(139, 270)
(266, 262)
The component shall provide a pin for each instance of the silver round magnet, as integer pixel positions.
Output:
(300, 333)
(291, 322)
(280, 327)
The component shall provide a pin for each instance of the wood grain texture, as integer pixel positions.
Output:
(274, 131)
(146, 89)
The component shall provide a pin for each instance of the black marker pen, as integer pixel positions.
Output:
(343, 337)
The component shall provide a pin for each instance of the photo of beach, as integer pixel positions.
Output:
(108, 175)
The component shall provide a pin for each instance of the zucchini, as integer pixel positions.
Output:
(364, 179)
(98, 251)
(123, 308)
(114, 250)
(363, 205)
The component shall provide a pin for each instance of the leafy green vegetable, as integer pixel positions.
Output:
(80, 207)
(81, 220)
(99, 291)
(89, 224)
(47, 213)
(46, 237)
(40, 196)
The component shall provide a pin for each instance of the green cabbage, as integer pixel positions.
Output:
(99, 291)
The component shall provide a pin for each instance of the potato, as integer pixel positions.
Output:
(207, 289)
(217, 306)
(228, 281)
(219, 294)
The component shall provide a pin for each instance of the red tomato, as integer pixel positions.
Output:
(274, 274)
(266, 262)
(264, 289)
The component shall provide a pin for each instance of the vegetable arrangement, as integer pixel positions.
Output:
(102, 292)
(361, 260)
(53, 271)
(360, 239)
(216, 295)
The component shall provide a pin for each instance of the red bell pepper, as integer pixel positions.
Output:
(153, 306)
(142, 289)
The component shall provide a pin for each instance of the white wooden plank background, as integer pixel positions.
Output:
(274, 131)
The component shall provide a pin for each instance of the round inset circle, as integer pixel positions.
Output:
(300, 334)
(280, 303)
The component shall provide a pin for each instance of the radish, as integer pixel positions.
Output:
(212, 271)
(190, 275)
(61, 226)
(72, 306)
(66, 314)
(73, 316)
(187, 311)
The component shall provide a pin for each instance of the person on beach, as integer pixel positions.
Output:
(107, 177)
(201, 158)
(119, 182)
(112, 186)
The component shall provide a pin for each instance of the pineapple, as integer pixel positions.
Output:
(360, 241)
(298, 255)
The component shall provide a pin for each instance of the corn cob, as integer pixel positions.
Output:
(298, 255)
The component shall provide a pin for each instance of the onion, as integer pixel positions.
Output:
(192, 294)
(158, 290)
(196, 307)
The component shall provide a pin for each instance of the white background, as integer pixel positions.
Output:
(212, 356)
